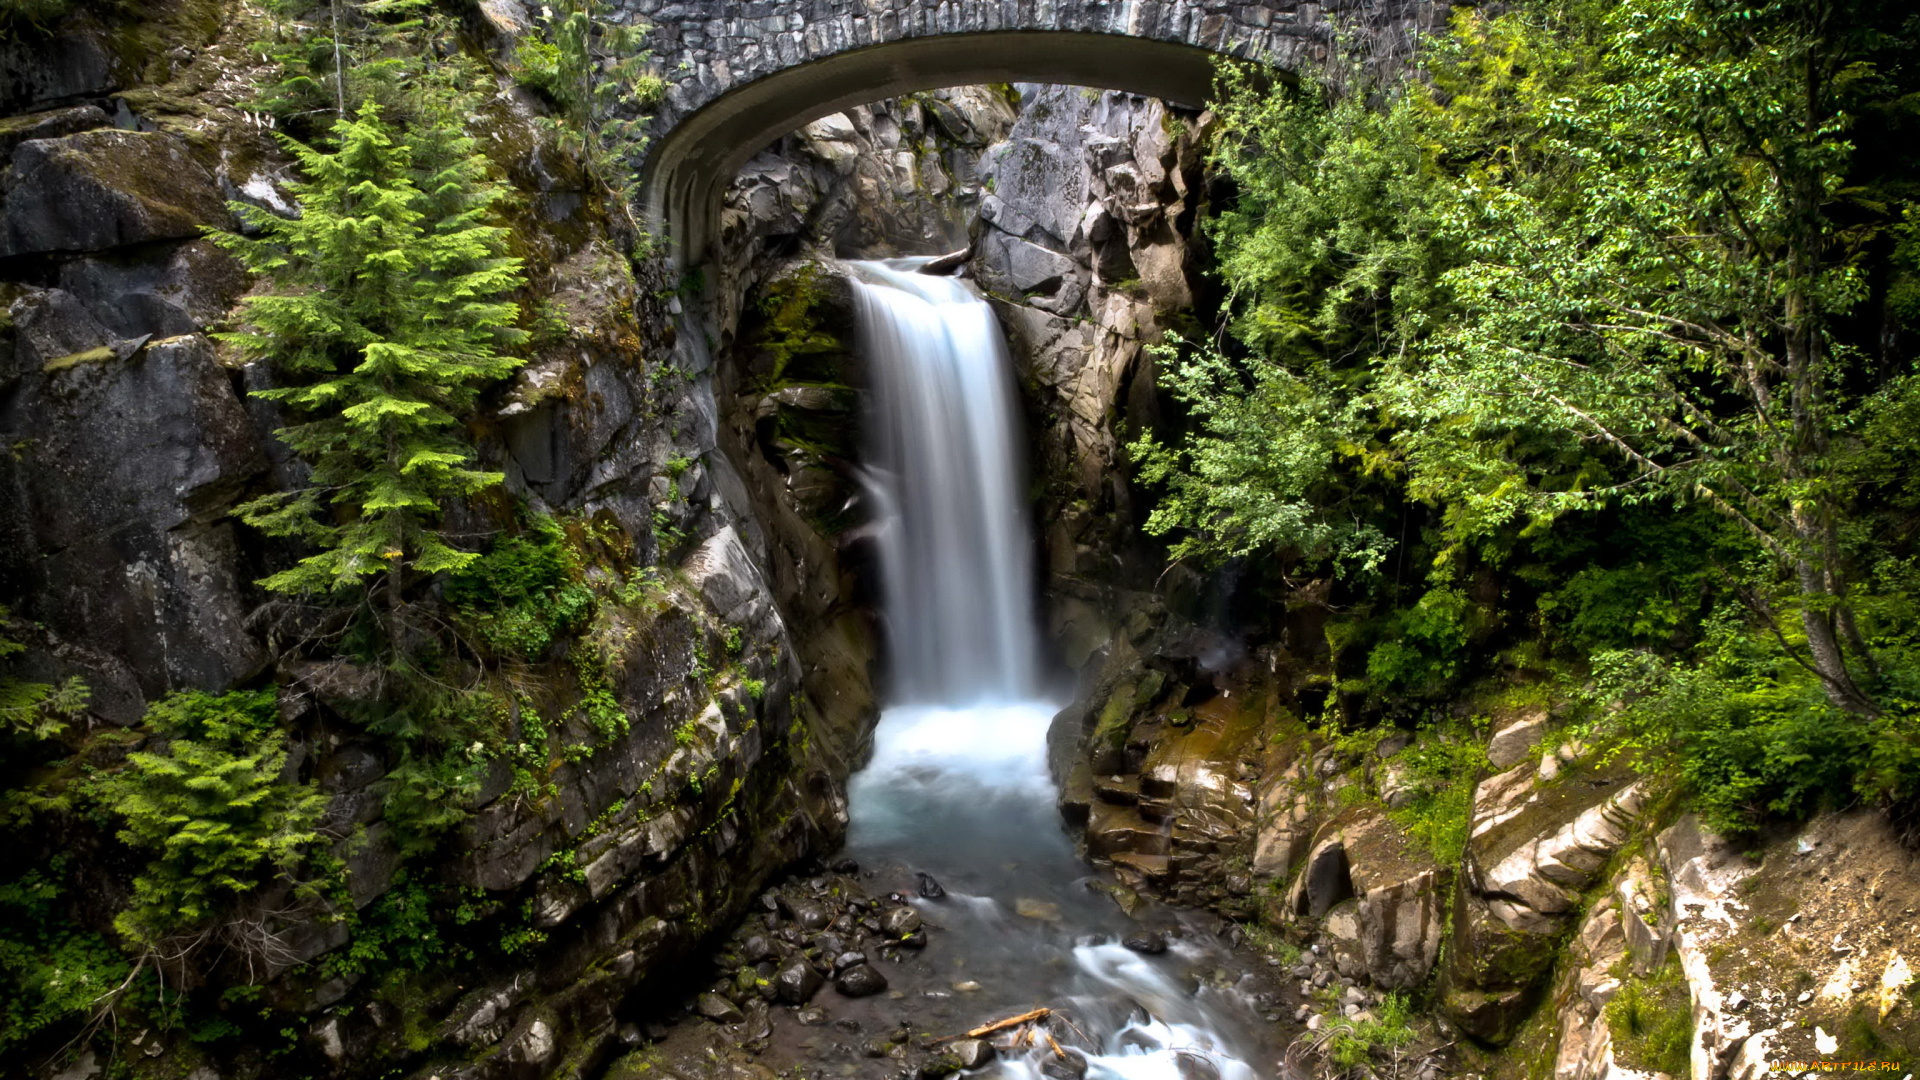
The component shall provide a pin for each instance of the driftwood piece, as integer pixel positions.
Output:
(1000, 1025)
(948, 263)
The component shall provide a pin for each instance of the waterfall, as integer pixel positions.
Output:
(957, 789)
(956, 566)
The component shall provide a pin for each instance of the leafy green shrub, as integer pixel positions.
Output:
(1445, 767)
(524, 594)
(211, 804)
(50, 970)
(1392, 1026)
(1750, 733)
(397, 932)
(35, 710)
(1425, 647)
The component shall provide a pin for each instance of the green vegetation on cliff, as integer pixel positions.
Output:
(386, 315)
(1589, 353)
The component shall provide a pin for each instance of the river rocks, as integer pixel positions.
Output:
(105, 189)
(796, 983)
(972, 1053)
(900, 922)
(860, 980)
(1067, 1064)
(809, 916)
(718, 1009)
(1151, 944)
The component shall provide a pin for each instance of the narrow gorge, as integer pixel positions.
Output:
(628, 539)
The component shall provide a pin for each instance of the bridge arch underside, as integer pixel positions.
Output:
(688, 170)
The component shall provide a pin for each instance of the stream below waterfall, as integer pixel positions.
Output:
(956, 813)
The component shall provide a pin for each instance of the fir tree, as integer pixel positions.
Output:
(386, 315)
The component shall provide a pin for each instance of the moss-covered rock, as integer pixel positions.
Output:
(105, 189)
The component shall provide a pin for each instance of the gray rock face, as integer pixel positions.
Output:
(73, 59)
(1515, 742)
(1083, 189)
(53, 325)
(181, 290)
(104, 189)
(1391, 932)
(115, 507)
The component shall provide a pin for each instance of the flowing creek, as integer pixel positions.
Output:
(957, 799)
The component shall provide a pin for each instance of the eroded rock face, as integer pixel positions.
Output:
(116, 504)
(1535, 847)
(99, 190)
(1390, 933)
(1083, 247)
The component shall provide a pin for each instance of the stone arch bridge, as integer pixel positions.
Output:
(742, 73)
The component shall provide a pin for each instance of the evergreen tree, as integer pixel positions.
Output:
(386, 315)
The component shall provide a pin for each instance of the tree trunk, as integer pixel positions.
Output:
(1828, 661)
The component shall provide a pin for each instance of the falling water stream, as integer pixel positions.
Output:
(958, 785)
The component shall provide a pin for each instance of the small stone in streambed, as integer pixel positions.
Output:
(972, 1053)
(813, 1016)
(1067, 1065)
(1153, 943)
(718, 1009)
(848, 959)
(1029, 908)
(915, 940)
(847, 1024)
(877, 1048)
(756, 948)
(860, 980)
(901, 921)
(797, 982)
(938, 1069)
(845, 866)
(929, 888)
(810, 916)
(1126, 899)
(967, 987)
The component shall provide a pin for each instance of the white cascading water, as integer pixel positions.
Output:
(955, 550)
(958, 784)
